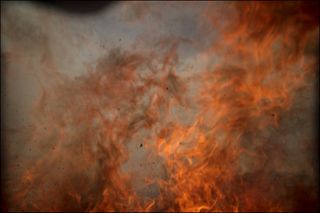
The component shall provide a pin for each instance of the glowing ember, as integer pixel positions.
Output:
(221, 136)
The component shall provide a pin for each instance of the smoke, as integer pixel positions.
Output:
(227, 126)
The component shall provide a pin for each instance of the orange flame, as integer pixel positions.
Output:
(225, 159)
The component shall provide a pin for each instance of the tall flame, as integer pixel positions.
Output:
(218, 135)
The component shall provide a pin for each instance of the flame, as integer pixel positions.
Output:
(223, 160)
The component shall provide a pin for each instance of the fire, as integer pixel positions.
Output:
(228, 156)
